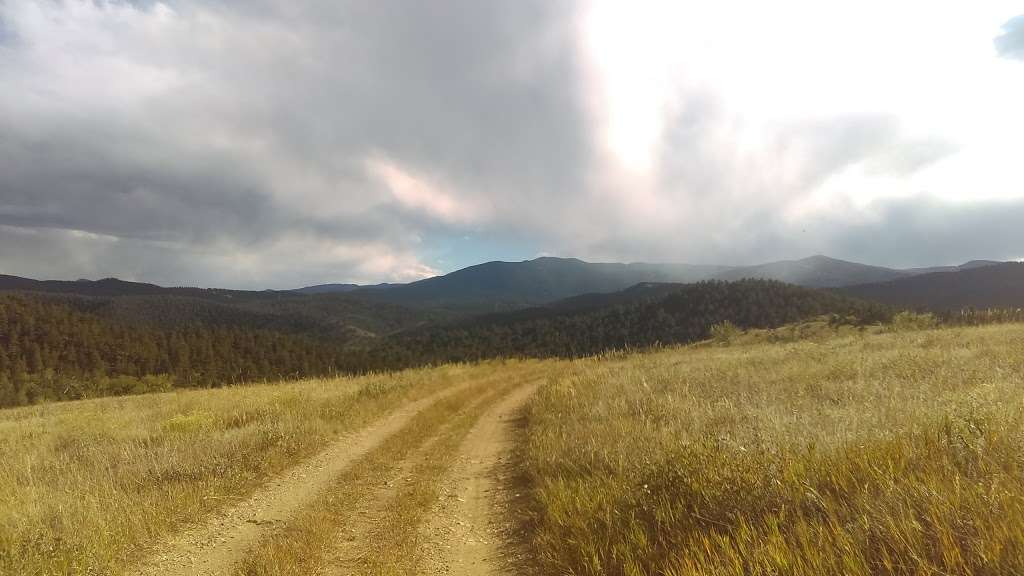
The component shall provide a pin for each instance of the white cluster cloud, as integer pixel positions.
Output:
(1011, 42)
(278, 143)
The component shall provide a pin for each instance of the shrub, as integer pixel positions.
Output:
(724, 332)
(911, 321)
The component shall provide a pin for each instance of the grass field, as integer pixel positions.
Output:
(893, 453)
(86, 486)
(805, 451)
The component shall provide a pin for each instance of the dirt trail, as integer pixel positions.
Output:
(367, 512)
(216, 545)
(470, 524)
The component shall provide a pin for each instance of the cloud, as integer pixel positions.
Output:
(210, 125)
(906, 232)
(731, 191)
(274, 143)
(1010, 44)
(419, 193)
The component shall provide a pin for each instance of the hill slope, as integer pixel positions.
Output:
(815, 272)
(670, 315)
(504, 286)
(500, 286)
(133, 303)
(991, 286)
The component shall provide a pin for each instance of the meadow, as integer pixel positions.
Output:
(87, 487)
(808, 450)
(895, 452)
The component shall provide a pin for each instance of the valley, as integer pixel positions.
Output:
(71, 340)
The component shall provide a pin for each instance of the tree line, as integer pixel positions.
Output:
(51, 351)
(54, 348)
(684, 315)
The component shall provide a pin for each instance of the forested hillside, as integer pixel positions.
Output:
(947, 293)
(62, 347)
(50, 351)
(135, 303)
(685, 314)
(504, 286)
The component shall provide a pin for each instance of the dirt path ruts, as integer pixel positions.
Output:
(213, 547)
(351, 541)
(469, 524)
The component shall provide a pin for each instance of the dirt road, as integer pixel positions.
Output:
(470, 526)
(420, 484)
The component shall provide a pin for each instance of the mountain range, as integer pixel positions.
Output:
(503, 286)
(978, 286)
(495, 287)
(111, 336)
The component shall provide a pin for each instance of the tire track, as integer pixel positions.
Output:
(213, 547)
(469, 527)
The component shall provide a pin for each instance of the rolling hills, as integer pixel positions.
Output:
(333, 314)
(815, 272)
(643, 316)
(62, 339)
(485, 288)
(987, 286)
(503, 286)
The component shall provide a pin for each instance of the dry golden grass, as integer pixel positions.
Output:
(803, 451)
(892, 453)
(387, 544)
(86, 487)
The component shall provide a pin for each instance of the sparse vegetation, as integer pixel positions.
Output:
(897, 453)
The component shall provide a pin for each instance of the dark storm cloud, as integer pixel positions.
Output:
(919, 230)
(1011, 43)
(274, 143)
(262, 116)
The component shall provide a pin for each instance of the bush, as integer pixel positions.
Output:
(912, 321)
(724, 332)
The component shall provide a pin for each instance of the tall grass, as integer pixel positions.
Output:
(86, 486)
(893, 453)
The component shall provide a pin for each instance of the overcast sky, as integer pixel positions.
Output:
(281, 143)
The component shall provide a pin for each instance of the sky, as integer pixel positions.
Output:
(283, 143)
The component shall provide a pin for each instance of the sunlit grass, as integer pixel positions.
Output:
(893, 453)
(86, 487)
(807, 450)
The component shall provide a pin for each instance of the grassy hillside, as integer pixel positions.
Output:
(893, 453)
(852, 453)
(86, 487)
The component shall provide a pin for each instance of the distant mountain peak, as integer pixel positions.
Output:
(821, 258)
(978, 264)
(555, 259)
